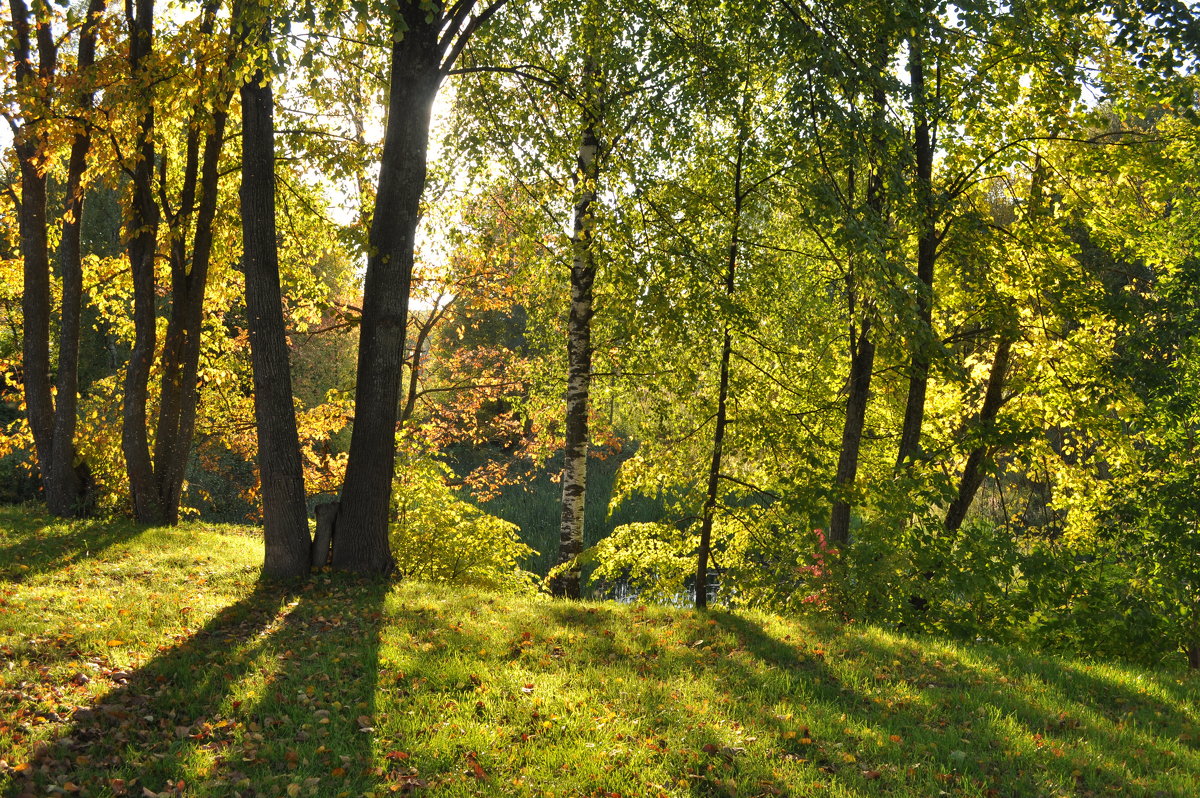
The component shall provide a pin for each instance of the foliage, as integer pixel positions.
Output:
(437, 536)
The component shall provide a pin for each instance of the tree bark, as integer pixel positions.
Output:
(156, 484)
(179, 395)
(285, 516)
(35, 254)
(360, 540)
(708, 512)
(566, 583)
(973, 471)
(53, 419)
(862, 347)
(927, 252)
(141, 230)
(862, 366)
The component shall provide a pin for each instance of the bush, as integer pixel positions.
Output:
(437, 536)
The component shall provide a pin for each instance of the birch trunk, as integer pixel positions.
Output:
(579, 350)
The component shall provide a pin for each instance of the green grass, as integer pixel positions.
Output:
(150, 661)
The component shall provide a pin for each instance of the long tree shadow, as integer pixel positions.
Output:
(961, 704)
(277, 689)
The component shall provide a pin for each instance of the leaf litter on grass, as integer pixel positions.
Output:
(218, 686)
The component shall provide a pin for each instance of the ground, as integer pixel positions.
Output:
(151, 662)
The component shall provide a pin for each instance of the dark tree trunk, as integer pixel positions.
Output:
(53, 420)
(927, 252)
(285, 516)
(579, 357)
(973, 471)
(141, 228)
(179, 395)
(156, 484)
(714, 468)
(360, 540)
(862, 346)
(708, 512)
(862, 366)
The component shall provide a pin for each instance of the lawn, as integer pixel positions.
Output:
(151, 662)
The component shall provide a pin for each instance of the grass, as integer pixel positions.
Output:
(150, 662)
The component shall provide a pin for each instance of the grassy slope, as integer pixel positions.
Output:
(137, 662)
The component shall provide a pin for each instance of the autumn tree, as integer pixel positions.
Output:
(49, 91)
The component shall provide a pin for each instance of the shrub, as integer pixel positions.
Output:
(437, 536)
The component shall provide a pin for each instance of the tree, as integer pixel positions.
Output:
(285, 516)
(426, 41)
(188, 222)
(52, 413)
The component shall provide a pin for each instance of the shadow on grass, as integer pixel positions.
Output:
(276, 690)
(977, 724)
(34, 543)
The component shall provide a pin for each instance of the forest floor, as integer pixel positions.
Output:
(151, 662)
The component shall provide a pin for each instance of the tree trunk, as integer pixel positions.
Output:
(973, 471)
(360, 540)
(714, 466)
(53, 420)
(579, 354)
(927, 244)
(141, 229)
(285, 516)
(156, 484)
(862, 366)
(862, 347)
(181, 349)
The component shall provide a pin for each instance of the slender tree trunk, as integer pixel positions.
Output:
(714, 467)
(927, 252)
(862, 366)
(285, 516)
(973, 471)
(141, 229)
(579, 354)
(35, 300)
(360, 539)
(156, 484)
(862, 346)
(181, 350)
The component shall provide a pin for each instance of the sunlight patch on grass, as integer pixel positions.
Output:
(137, 660)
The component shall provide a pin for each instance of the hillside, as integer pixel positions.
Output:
(139, 662)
